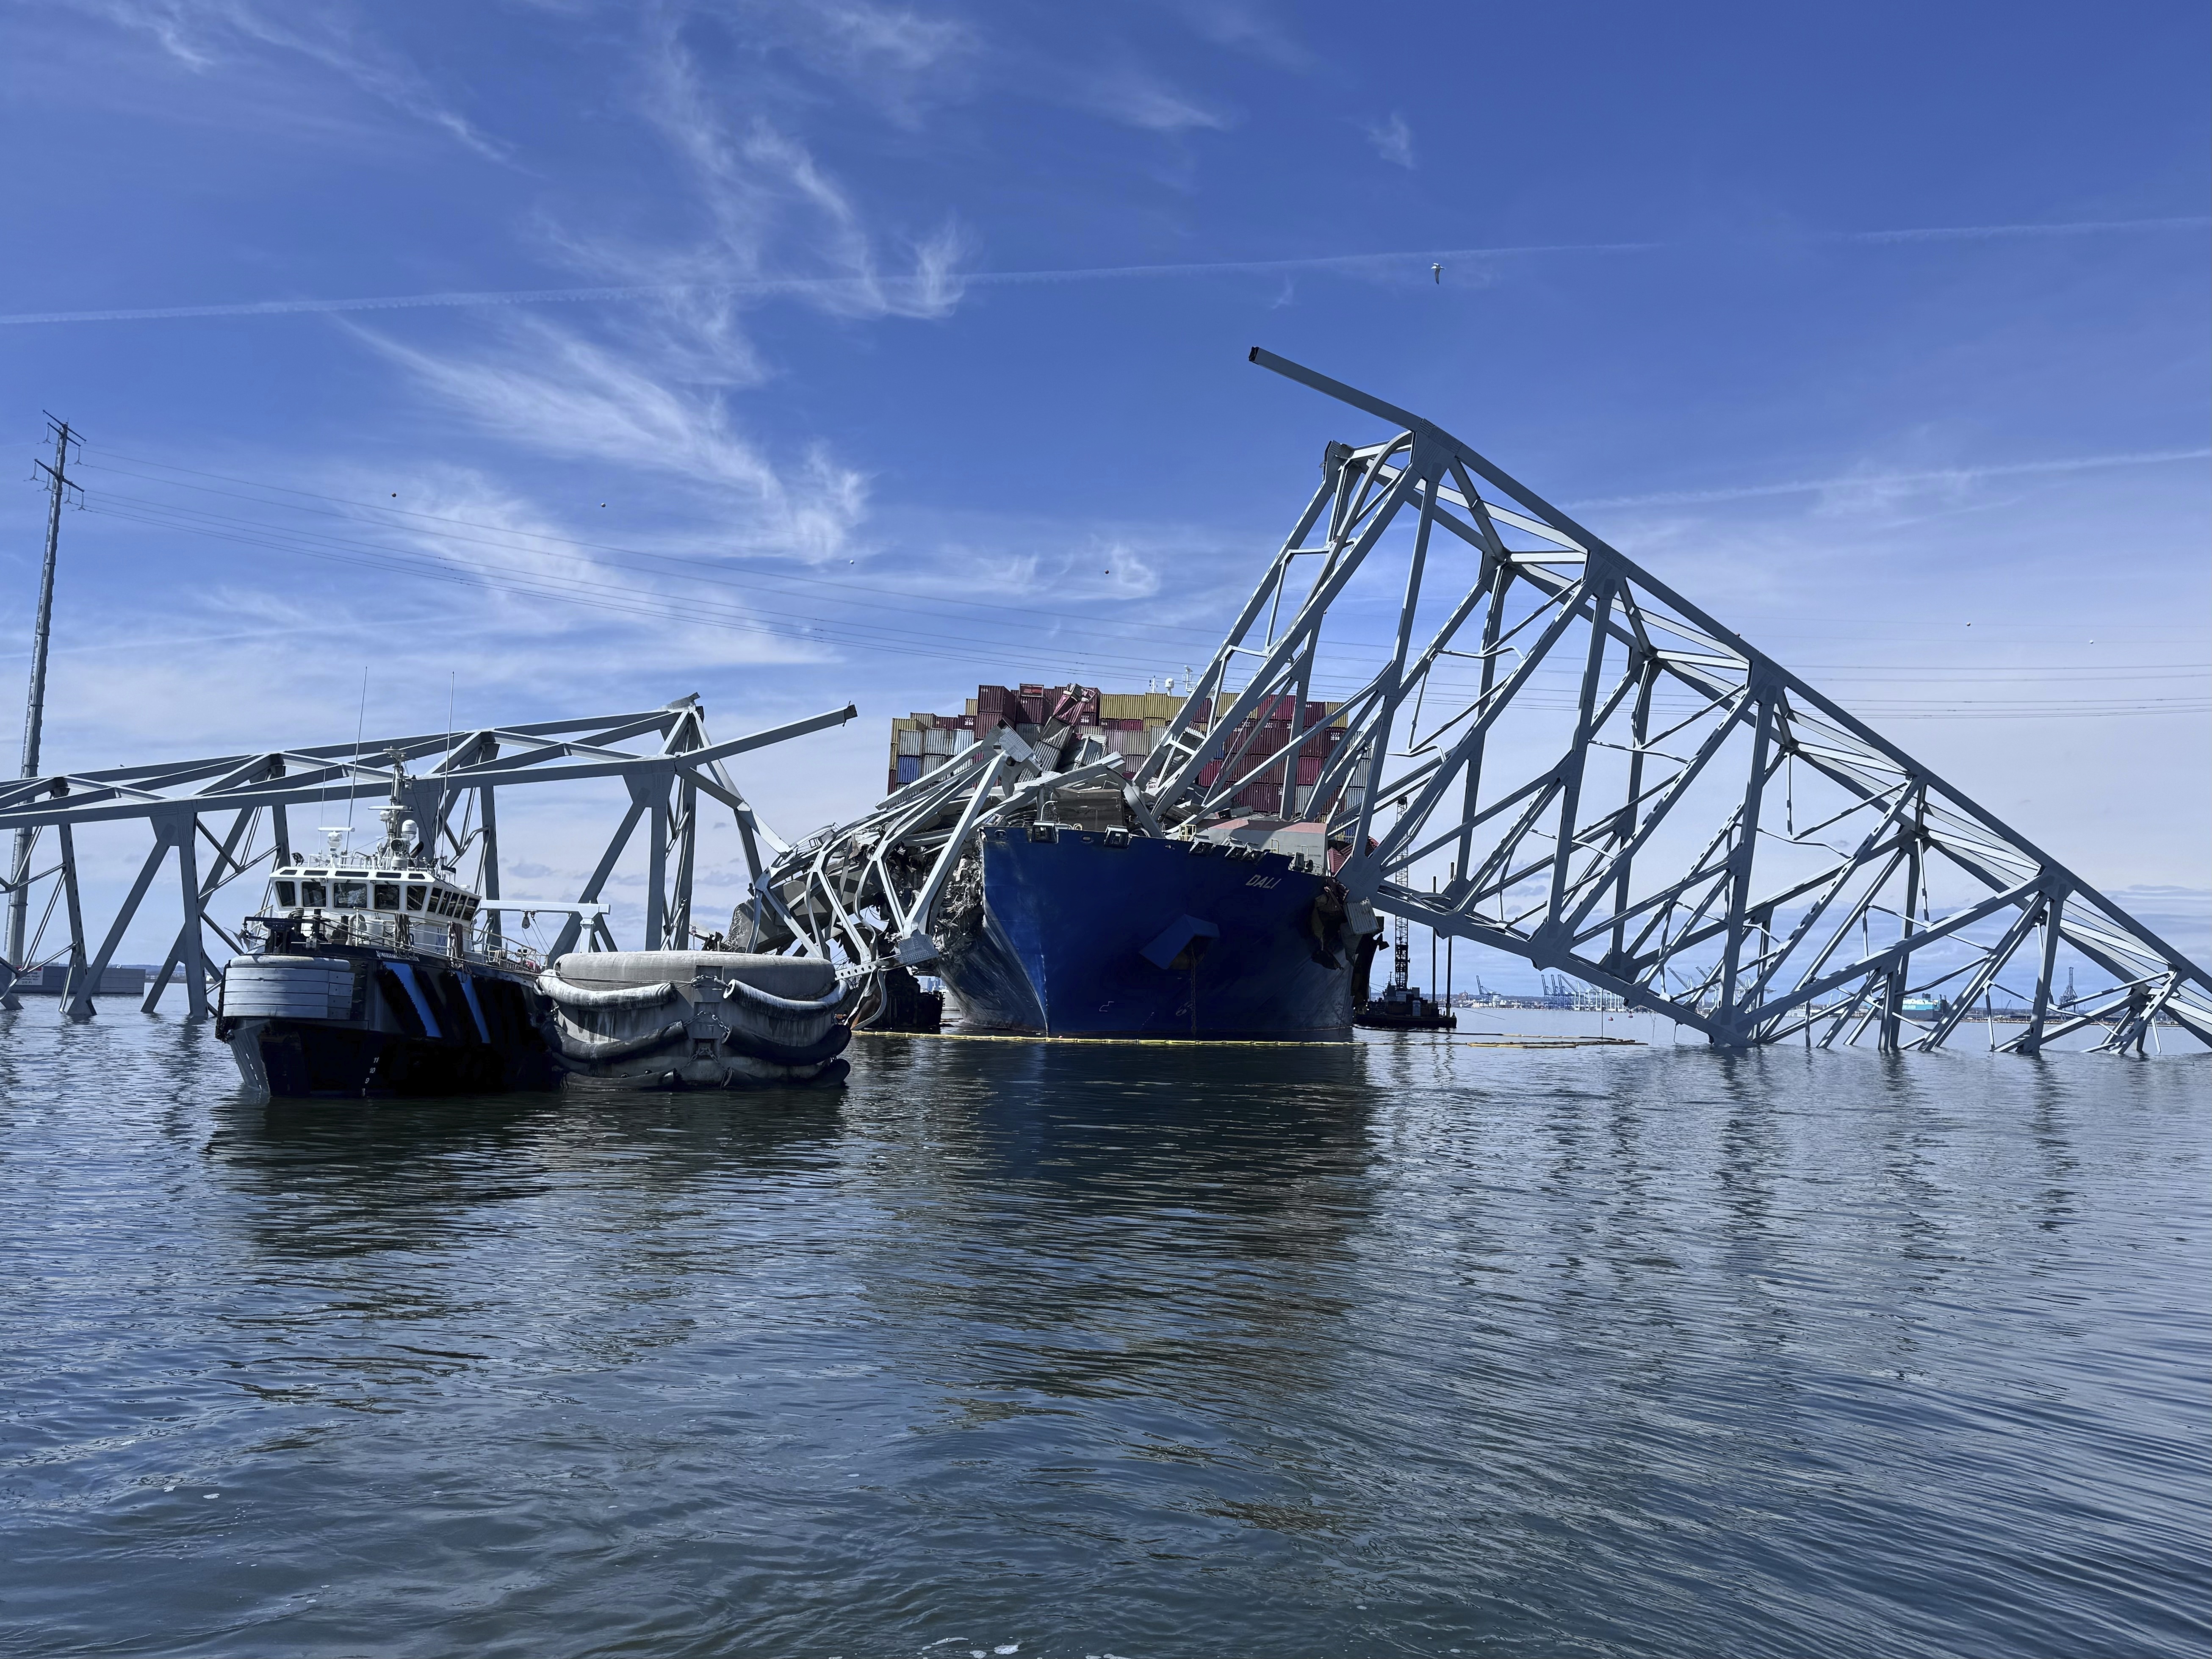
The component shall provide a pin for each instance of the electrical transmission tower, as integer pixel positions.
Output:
(58, 484)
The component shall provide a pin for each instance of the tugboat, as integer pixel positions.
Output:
(1401, 1007)
(367, 974)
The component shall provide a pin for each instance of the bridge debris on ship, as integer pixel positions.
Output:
(1595, 774)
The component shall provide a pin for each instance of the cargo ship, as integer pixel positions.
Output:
(1064, 932)
(1012, 864)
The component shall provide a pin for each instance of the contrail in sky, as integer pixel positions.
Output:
(1878, 480)
(1418, 259)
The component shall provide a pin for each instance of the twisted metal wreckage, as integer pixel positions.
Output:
(186, 805)
(1593, 761)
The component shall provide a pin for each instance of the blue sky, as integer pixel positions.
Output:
(905, 350)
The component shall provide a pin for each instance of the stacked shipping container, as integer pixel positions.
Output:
(1129, 722)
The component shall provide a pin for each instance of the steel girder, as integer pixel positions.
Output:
(1595, 763)
(863, 894)
(679, 763)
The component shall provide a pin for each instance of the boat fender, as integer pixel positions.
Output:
(821, 1004)
(628, 996)
(574, 1049)
(830, 1044)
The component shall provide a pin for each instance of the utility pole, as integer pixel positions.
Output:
(34, 713)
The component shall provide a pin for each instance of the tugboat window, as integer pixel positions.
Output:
(348, 895)
(284, 899)
(414, 892)
(311, 895)
(387, 895)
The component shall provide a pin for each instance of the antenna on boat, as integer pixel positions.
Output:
(360, 720)
(445, 774)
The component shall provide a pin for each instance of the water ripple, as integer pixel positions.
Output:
(1409, 1348)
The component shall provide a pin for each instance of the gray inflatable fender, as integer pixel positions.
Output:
(628, 996)
(614, 1048)
(822, 1005)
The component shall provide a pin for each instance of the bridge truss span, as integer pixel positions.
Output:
(222, 818)
(1554, 754)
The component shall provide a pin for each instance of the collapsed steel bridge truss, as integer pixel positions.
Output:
(1616, 787)
(234, 811)
(1555, 755)
(865, 893)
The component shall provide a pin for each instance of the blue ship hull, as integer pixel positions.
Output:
(1128, 936)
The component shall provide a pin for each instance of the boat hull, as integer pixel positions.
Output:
(297, 1059)
(354, 1024)
(1089, 934)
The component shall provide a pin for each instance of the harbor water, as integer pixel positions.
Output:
(1407, 1347)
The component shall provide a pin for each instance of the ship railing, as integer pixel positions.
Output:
(396, 933)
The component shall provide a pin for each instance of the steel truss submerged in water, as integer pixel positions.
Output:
(1595, 763)
(225, 806)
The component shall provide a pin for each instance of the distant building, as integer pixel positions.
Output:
(1128, 723)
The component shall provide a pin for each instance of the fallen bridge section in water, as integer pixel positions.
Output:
(1596, 775)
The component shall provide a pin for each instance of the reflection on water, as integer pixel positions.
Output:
(1407, 1346)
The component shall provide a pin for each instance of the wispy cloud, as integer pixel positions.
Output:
(203, 35)
(1136, 98)
(646, 390)
(1393, 140)
(899, 60)
(1247, 25)
(773, 215)
(563, 395)
(1977, 233)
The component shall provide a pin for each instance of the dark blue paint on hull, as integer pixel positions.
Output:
(1066, 922)
(306, 1060)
